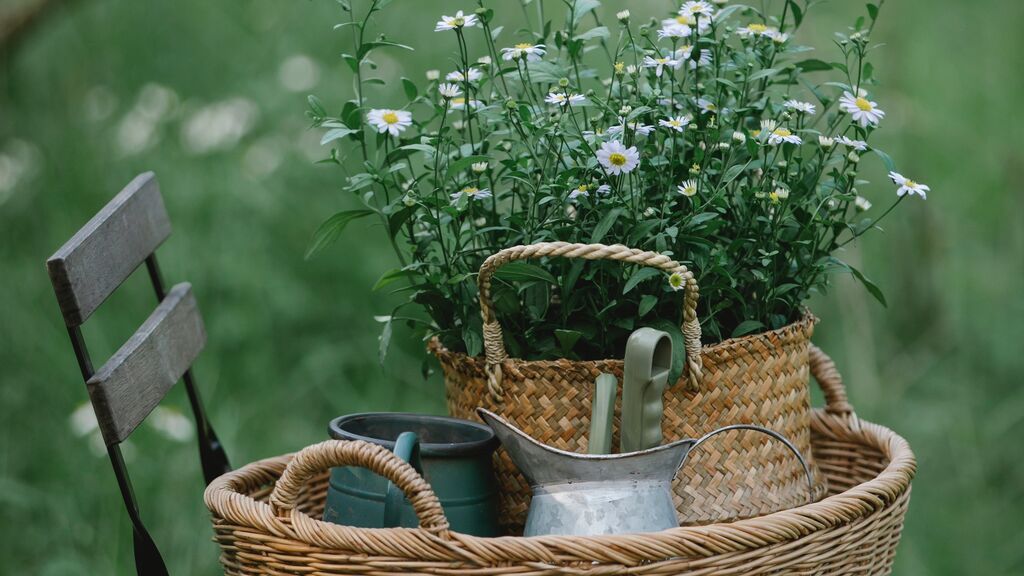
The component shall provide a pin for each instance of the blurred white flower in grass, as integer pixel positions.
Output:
(83, 424)
(688, 188)
(660, 63)
(777, 37)
(826, 142)
(697, 8)
(617, 159)
(472, 192)
(685, 53)
(564, 99)
(672, 30)
(459, 76)
(908, 186)
(460, 104)
(858, 145)
(99, 103)
(862, 204)
(298, 73)
(449, 91)
(801, 107)
(263, 157)
(707, 106)
(532, 52)
(218, 126)
(581, 190)
(634, 127)
(604, 189)
(456, 22)
(393, 122)
(138, 130)
(19, 161)
(864, 111)
(170, 423)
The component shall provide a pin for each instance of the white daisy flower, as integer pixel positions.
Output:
(678, 123)
(532, 52)
(778, 194)
(622, 16)
(858, 145)
(706, 106)
(391, 121)
(631, 69)
(688, 21)
(864, 111)
(564, 99)
(776, 36)
(683, 55)
(617, 159)
(826, 142)
(660, 63)
(636, 127)
(433, 74)
(767, 127)
(862, 204)
(688, 188)
(456, 22)
(459, 76)
(780, 135)
(739, 137)
(484, 60)
(604, 189)
(449, 91)
(755, 29)
(581, 190)
(908, 186)
(472, 192)
(698, 9)
(460, 103)
(673, 30)
(801, 107)
(677, 281)
(479, 167)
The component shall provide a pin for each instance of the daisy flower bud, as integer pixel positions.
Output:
(649, 211)
(826, 142)
(622, 16)
(479, 167)
(739, 137)
(433, 74)
(563, 82)
(862, 204)
(409, 200)
(485, 60)
(695, 169)
(620, 68)
(853, 157)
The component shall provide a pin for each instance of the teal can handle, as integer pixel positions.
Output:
(407, 448)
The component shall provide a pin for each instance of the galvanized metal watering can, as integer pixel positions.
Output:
(588, 494)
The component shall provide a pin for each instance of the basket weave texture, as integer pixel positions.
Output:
(264, 519)
(759, 379)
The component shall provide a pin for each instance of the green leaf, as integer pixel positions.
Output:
(474, 344)
(316, 106)
(766, 73)
(384, 339)
(523, 271)
(389, 277)
(886, 159)
(597, 32)
(329, 231)
(581, 8)
(639, 276)
(747, 327)
(567, 339)
(411, 91)
(873, 12)
(605, 225)
(336, 134)
(370, 46)
(871, 286)
(647, 303)
(813, 65)
(798, 14)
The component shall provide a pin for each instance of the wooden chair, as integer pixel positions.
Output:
(84, 272)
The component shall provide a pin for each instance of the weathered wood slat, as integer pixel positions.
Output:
(101, 256)
(127, 388)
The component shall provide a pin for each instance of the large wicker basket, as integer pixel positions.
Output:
(760, 379)
(265, 519)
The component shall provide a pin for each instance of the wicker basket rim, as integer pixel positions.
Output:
(225, 501)
(796, 331)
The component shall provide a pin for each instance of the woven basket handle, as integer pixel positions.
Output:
(325, 455)
(825, 372)
(494, 345)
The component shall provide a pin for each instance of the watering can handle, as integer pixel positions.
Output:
(321, 457)
(407, 447)
(773, 434)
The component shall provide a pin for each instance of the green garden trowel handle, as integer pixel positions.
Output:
(645, 375)
(407, 447)
(602, 409)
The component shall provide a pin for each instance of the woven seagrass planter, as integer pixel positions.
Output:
(265, 519)
(760, 379)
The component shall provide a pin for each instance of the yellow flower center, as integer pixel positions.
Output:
(675, 123)
(583, 188)
(620, 66)
(684, 20)
(524, 46)
(470, 190)
(863, 104)
(458, 101)
(910, 183)
(757, 28)
(617, 159)
(390, 117)
(782, 132)
(774, 197)
(458, 22)
(696, 9)
(675, 280)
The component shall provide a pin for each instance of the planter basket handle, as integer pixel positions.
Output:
(824, 371)
(494, 345)
(326, 455)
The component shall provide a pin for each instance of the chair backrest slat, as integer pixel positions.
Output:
(137, 377)
(101, 256)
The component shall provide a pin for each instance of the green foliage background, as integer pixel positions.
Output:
(293, 343)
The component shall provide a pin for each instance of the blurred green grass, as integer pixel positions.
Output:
(108, 88)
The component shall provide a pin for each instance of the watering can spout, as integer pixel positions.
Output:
(544, 466)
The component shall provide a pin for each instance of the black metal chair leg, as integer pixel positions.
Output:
(148, 561)
(212, 456)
